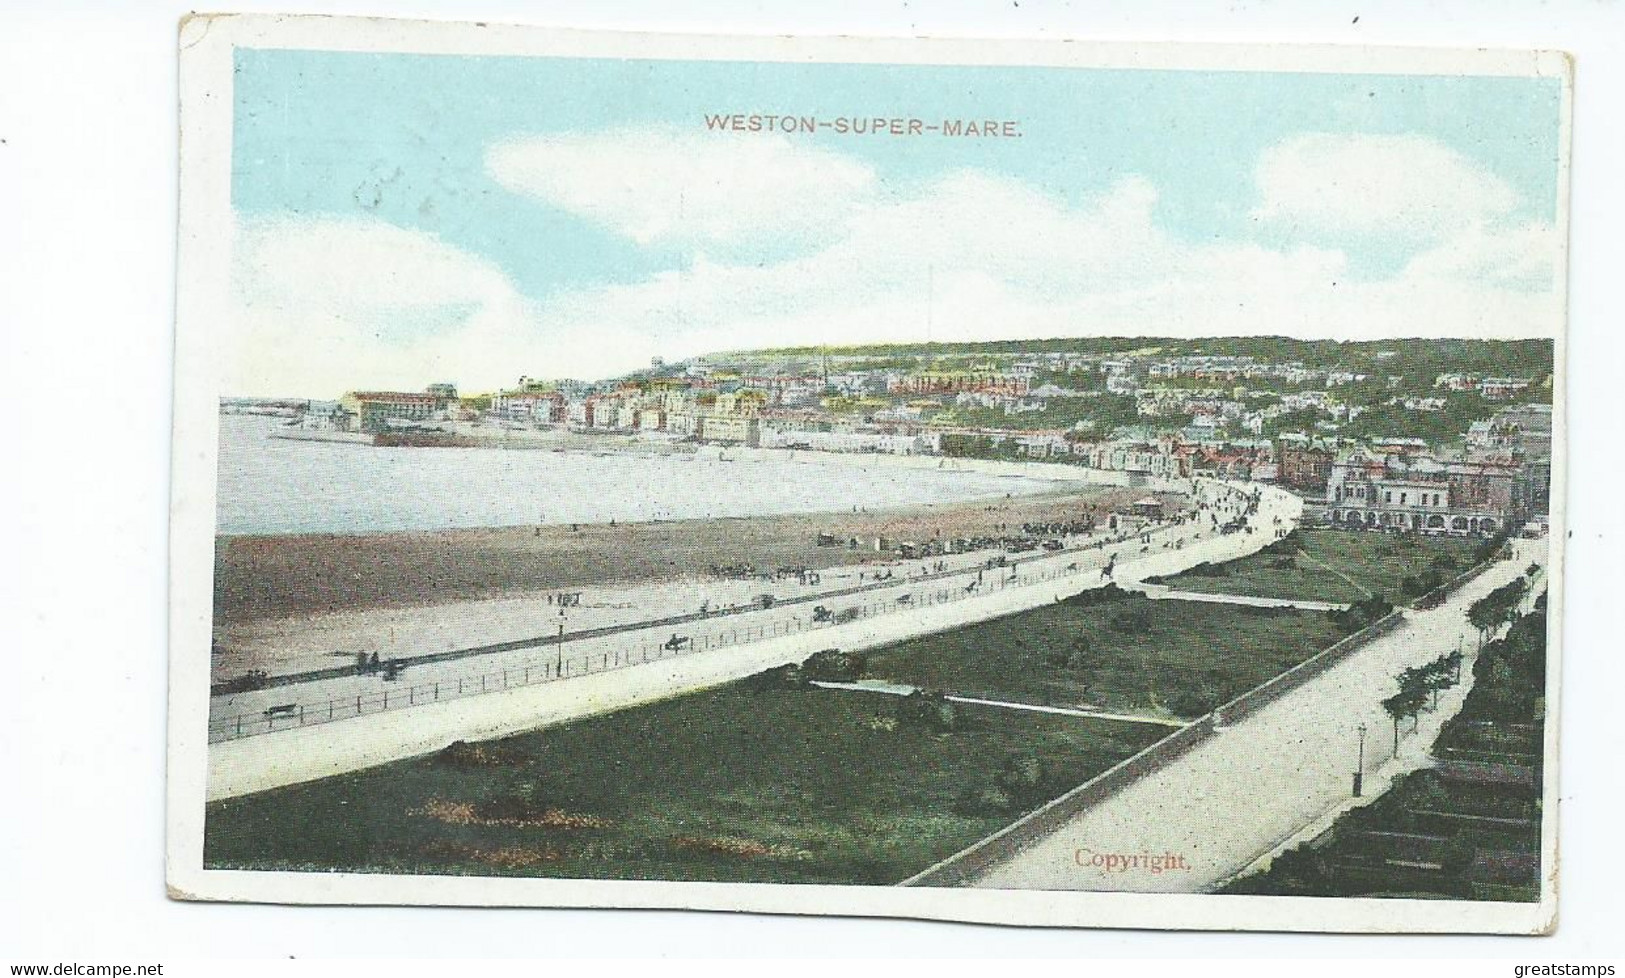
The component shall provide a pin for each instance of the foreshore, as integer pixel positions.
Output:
(283, 576)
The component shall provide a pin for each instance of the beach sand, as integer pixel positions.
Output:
(278, 577)
(297, 603)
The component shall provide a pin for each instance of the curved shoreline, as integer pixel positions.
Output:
(263, 577)
(267, 487)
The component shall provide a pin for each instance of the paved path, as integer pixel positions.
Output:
(893, 689)
(1239, 794)
(1162, 592)
(1092, 714)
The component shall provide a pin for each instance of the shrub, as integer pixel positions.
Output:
(1022, 777)
(929, 711)
(461, 753)
(1361, 613)
(1491, 549)
(1265, 611)
(834, 666)
(787, 676)
(1100, 595)
(1416, 585)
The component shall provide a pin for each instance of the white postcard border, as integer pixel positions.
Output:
(206, 45)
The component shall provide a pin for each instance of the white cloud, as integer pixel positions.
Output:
(1406, 185)
(322, 305)
(969, 256)
(657, 185)
(976, 257)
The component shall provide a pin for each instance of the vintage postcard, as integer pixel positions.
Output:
(1025, 482)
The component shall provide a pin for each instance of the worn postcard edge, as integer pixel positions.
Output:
(206, 43)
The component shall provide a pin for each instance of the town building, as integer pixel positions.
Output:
(373, 411)
(731, 429)
(1502, 388)
(1424, 494)
(1304, 466)
(530, 407)
(954, 381)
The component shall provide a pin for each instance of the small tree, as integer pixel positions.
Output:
(1483, 616)
(1397, 708)
(1436, 677)
(1414, 689)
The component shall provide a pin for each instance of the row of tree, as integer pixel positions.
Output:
(1419, 689)
(1497, 608)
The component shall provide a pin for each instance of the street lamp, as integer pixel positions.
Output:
(1359, 770)
(558, 670)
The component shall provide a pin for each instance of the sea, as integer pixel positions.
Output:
(279, 486)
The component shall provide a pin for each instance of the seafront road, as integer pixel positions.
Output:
(1257, 783)
(599, 680)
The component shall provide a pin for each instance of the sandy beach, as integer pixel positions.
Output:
(260, 578)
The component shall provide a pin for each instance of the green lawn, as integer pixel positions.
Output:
(732, 784)
(1335, 565)
(752, 782)
(1174, 657)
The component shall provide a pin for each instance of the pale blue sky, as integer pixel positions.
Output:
(404, 218)
(401, 137)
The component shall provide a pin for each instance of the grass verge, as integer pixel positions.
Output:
(1340, 566)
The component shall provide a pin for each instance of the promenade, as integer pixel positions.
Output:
(630, 665)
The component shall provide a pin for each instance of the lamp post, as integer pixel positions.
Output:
(1359, 770)
(558, 670)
